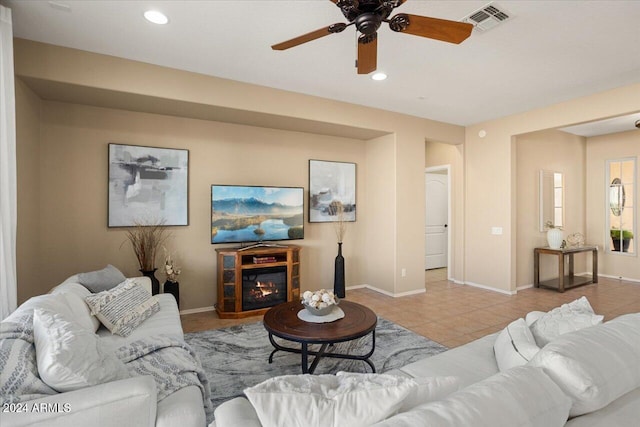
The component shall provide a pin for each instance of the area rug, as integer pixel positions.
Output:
(235, 358)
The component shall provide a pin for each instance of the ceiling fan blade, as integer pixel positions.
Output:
(433, 28)
(331, 29)
(367, 56)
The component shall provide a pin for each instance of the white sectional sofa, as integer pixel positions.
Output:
(586, 378)
(126, 402)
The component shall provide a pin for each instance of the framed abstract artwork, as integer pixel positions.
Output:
(148, 185)
(331, 184)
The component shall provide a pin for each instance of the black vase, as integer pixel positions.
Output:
(172, 288)
(155, 283)
(338, 278)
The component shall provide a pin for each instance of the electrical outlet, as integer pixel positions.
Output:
(403, 272)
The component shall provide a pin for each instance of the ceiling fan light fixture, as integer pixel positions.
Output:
(156, 17)
(379, 76)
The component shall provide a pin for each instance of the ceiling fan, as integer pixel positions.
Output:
(368, 15)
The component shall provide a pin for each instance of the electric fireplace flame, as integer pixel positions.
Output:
(263, 288)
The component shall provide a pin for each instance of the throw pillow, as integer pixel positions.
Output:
(595, 366)
(123, 308)
(82, 292)
(328, 400)
(69, 357)
(515, 345)
(520, 397)
(81, 312)
(568, 317)
(101, 280)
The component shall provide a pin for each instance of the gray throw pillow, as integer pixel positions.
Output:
(101, 280)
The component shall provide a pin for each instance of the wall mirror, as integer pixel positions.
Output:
(617, 196)
(551, 191)
(621, 206)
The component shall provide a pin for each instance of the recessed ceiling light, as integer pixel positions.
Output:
(156, 17)
(379, 76)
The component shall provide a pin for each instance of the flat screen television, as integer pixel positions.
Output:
(245, 214)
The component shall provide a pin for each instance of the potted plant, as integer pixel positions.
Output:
(172, 272)
(623, 236)
(145, 239)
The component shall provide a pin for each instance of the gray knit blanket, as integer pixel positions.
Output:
(19, 380)
(168, 359)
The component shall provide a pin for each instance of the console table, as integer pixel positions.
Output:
(564, 281)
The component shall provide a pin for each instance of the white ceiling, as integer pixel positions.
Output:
(605, 127)
(548, 52)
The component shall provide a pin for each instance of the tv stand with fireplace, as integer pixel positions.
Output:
(252, 280)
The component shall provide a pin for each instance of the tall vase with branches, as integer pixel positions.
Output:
(340, 227)
(145, 238)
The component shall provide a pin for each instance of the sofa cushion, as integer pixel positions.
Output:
(101, 280)
(430, 389)
(522, 396)
(470, 363)
(123, 308)
(568, 317)
(596, 365)
(70, 357)
(621, 412)
(328, 400)
(165, 322)
(515, 345)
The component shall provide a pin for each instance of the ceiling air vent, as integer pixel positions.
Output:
(487, 17)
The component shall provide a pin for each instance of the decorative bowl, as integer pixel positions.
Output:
(323, 311)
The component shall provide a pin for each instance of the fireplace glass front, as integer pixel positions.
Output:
(263, 287)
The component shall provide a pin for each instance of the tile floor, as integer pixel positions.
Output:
(454, 314)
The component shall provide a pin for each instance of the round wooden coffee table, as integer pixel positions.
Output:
(282, 321)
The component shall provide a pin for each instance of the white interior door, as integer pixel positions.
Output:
(436, 229)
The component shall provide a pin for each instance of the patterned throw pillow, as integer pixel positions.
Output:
(123, 308)
(568, 317)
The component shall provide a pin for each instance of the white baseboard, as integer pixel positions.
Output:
(489, 288)
(197, 310)
(387, 293)
(420, 291)
(626, 279)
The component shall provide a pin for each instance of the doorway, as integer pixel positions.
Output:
(437, 217)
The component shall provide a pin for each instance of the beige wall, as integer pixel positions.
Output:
(380, 208)
(397, 151)
(77, 77)
(490, 169)
(599, 150)
(439, 154)
(554, 151)
(73, 192)
(28, 116)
